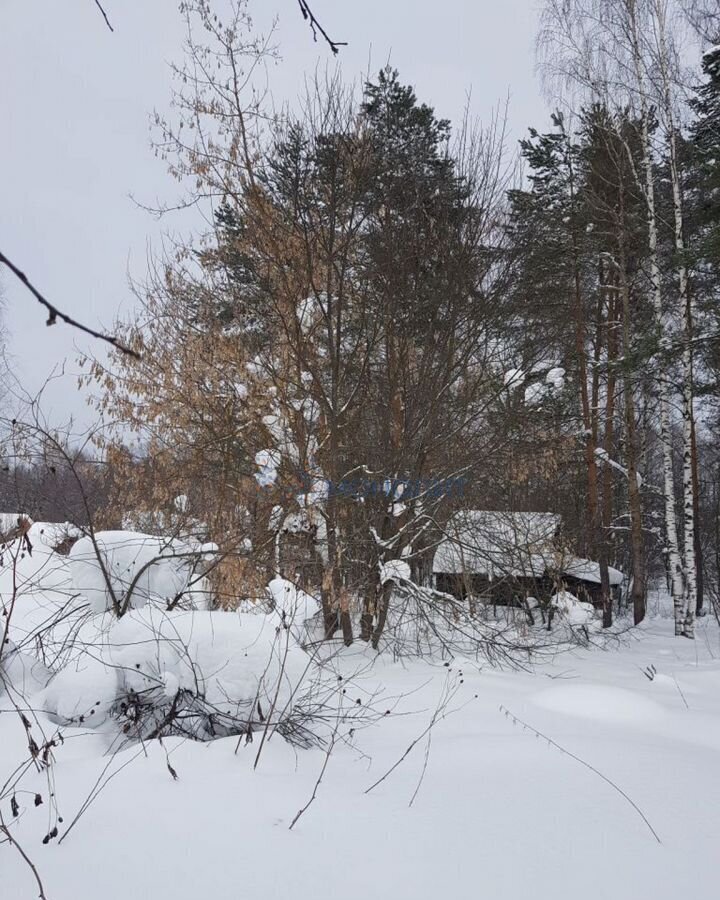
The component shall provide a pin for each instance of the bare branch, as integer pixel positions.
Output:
(317, 28)
(54, 313)
(31, 865)
(104, 15)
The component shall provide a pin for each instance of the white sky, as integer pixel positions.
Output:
(74, 134)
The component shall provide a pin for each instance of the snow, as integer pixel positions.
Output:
(587, 570)
(9, 521)
(489, 790)
(574, 612)
(393, 570)
(497, 543)
(53, 533)
(140, 568)
(602, 456)
(535, 393)
(296, 606)
(600, 703)
(297, 523)
(496, 799)
(267, 462)
(229, 660)
(556, 378)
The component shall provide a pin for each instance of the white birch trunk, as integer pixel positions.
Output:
(677, 581)
(685, 311)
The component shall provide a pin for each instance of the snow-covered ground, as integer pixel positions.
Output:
(480, 806)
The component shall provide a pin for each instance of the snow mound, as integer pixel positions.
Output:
(20, 672)
(127, 570)
(196, 673)
(291, 602)
(599, 702)
(52, 534)
(84, 692)
(393, 570)
(574, 612)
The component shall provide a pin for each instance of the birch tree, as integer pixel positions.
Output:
(623, 51)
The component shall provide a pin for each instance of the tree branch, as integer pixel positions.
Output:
(104, 15)
(54, 313)
(317, 28)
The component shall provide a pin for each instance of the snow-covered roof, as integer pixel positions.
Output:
(587, 570)
(498, 543)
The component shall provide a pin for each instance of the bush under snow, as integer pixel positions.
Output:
(196, 673)
(573, 612)
(126, 570)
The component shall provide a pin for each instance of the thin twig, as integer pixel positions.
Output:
(304, 809)
(54, 313)
(104, 15)
(31, 865)
(687, 705)
(441, 712)
(552, 743)
(316, 27)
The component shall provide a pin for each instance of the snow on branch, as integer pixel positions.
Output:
(603, 456)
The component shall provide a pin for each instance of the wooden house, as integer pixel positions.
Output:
(505, 557)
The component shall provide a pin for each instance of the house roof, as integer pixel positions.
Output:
(499, 544)
(587, 570)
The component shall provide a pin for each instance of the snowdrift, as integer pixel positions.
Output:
(128, 569)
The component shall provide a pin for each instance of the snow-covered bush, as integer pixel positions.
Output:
(194, 673)
(20, 672)
(572, 611)
(122, 570)
(300, 611)
(422, 622)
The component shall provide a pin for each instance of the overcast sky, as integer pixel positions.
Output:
(74, 135)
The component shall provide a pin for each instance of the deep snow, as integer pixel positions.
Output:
(496, 813)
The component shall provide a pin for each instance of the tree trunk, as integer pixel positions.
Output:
(383, 604)
(607, 481)
(329, 594)
(638, 592)
(671, 532)
(689, 503)
(666, 64)
(698, 542)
